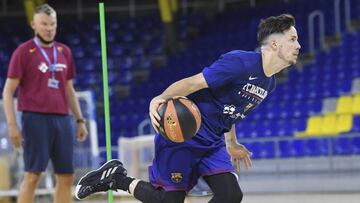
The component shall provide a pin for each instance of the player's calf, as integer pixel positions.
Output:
(225, 188)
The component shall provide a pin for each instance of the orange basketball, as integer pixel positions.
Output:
(180, 119)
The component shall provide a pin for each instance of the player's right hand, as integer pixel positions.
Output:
(153, 113)
(15, 136)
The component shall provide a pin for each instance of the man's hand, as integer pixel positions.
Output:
(15, 136)
(238, 152)
(153, 113)
(82, 132)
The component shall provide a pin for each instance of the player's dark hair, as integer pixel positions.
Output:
(44, 8)
(274, 24)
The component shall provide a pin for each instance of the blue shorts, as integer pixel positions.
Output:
(48, 136)
(177, 166)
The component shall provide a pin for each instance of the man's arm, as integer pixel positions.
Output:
(182, 87)
(230, 137)
(236, 150)
(75, 109)
(185, 86)
(11, 85)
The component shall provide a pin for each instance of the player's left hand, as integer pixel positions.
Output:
(238, 153)
(82, 132)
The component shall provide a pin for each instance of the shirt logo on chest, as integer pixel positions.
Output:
(43, 67)
(253, 92)
(252, 78)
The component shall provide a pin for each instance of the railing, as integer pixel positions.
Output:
(143, 125)
(311, 19)
(338, 19)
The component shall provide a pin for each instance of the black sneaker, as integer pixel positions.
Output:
(100, 180)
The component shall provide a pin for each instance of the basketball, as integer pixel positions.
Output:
(180, 119)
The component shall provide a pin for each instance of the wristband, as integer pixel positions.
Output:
(80, 120)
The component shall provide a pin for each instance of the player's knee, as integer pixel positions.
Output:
(146, 193)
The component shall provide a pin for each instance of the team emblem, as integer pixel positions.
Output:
(176, 177)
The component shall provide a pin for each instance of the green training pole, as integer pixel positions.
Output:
(106, 88)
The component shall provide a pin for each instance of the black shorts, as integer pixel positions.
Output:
(48, 136)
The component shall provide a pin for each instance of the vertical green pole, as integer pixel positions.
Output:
(105, 85)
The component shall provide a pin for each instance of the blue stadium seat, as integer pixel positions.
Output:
(285, 149)
(298, 148)
(267, 150)
(314, 106)
(255, 148)
(317, 147)
(116, 50)
(356, 124)
(342, 146)
(135, 42)
(356, 145)
(73, 39)
(298, 124)
(285, 128)
(300, 109)
(242, 131)
(78, 52)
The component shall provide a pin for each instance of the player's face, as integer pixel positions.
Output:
(289, 46)
(45, 26)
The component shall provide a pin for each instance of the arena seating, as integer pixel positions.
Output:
(294, 109)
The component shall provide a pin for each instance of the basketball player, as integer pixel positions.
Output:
(43, 70)
(225, 92)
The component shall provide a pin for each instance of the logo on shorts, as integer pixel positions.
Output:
(176, 177)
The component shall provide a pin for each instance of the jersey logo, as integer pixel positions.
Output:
(60, 49)
(229, 109)
(253, 92)
(43, 67)
(252, 78)
(248, 107)
(176, 177)
(32, 50)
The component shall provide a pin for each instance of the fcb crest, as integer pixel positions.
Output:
(176, 177)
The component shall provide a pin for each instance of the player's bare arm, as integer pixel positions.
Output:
(237, 151)
(75, 109)
(182, 87)
(8, 96)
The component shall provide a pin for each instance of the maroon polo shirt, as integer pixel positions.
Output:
(29, 65)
